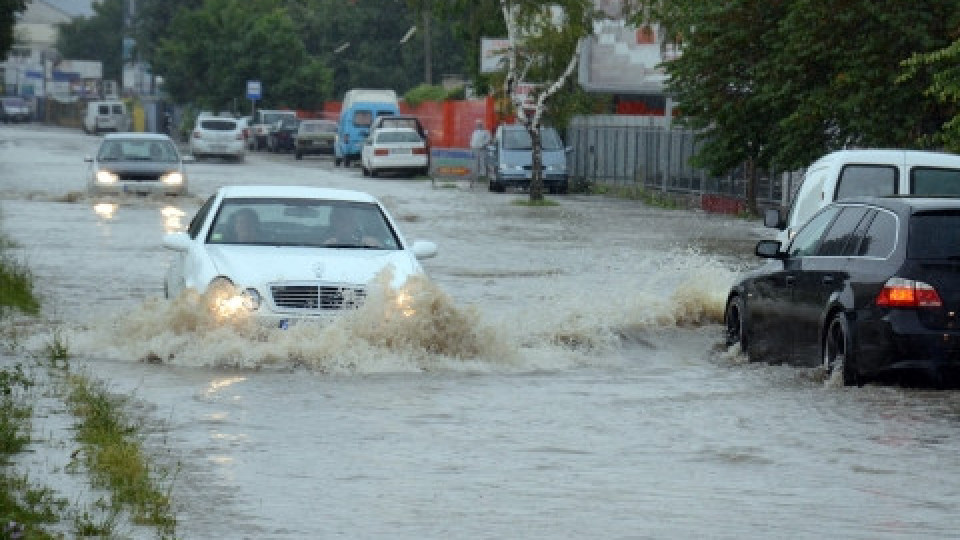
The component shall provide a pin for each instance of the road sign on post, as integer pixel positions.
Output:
(254, 92)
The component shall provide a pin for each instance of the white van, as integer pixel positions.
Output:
(109, 115)
(850, 173)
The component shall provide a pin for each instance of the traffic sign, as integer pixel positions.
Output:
(254, 91)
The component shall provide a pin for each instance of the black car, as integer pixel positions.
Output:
(282, 138)
(869, 286)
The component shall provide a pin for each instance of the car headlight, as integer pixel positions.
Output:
(106, 177)
(174, 178)
(227, 301)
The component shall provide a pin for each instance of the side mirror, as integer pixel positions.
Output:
(178, 241)
(774, 219)
(423, 249)
(769, 249)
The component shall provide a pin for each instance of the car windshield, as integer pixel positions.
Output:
(935, 235)
(273, 118)
(519, 139)
(302, 223)
(138, 150)
(404, 136)
(318, 127)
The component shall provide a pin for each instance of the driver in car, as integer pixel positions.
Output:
(346, 231)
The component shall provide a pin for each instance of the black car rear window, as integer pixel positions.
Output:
(218, 125)
(934, 235)
(935, 181)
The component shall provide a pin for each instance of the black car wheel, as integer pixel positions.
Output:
(733, 319)
(838, 350)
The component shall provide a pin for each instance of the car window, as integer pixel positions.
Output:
(875, 180)
(293, 222)
(103, 109)
(397, 137)
(200, 217)
(362, 118)
(118, 109)
(881, 237)
(934, 235)
(519, 139)
(842, 238)
(935, 181)
(219, 125)
(805, 243)
(137, 150)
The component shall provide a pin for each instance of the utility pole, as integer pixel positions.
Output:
(427, 56)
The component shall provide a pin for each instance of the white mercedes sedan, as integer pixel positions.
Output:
(286, 253)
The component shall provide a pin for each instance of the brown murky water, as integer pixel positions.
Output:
(561, 378)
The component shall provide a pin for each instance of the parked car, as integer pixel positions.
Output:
(137, 163)
(14, 109)
(869, 286)
(262, 124)
(104, 116)
(282, 134)
(217, 136)
(398, 150)
(278, 253)
(315, 137)
(877, 172)
(509, 159)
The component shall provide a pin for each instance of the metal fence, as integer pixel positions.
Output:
(629, 151)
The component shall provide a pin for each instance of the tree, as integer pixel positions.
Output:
(98, 37)
(8, 14)
(545, 39)
(943, 68)
(211, 52)
(775, 84)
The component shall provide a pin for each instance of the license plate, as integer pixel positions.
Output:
(400, 151)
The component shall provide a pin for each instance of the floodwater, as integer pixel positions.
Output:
(562, 377)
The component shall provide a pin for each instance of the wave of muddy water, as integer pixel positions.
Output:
(558, 379)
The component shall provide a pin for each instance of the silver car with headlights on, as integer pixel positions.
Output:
(137, 164)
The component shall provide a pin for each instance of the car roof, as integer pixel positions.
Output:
(910, 202)
(137, 136)
(898, 155)
(296, 192)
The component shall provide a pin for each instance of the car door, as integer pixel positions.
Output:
(185, 263)
(775, 314)
(821, 276)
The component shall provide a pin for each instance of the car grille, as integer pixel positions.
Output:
(139, 177)
(318, 297)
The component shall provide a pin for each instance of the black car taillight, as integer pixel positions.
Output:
(907, 293)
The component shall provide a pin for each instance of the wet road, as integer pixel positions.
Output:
(574, 385)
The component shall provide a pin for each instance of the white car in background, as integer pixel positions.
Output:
(400, 150)
(218, 136)
(288, 253)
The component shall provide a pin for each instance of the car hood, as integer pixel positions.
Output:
(525, 157)
(138, 166)
(258, 265)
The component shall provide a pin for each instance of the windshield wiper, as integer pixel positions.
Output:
(352, 246)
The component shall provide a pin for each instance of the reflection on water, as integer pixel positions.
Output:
(105, 210)
(172, 219)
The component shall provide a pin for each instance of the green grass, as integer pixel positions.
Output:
(16, 288)
(112, 453)
(636, 193)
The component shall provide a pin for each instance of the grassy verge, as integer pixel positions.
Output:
(110, 451)
(637, 193)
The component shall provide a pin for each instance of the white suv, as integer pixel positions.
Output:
(218, 136)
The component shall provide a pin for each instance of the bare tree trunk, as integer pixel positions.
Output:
(536, 173)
